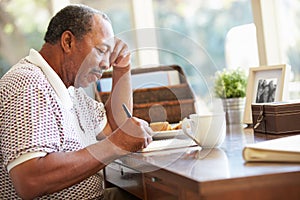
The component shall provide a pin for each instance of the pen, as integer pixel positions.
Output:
(129, 115)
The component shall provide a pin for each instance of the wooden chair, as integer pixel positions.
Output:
(155, 102)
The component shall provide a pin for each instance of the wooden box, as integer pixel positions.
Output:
(276, 118)
(164, 103)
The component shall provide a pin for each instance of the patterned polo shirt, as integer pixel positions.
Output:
(38, 116)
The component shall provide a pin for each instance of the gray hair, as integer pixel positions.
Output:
(75, 18)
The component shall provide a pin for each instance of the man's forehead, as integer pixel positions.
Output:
(103, 26)
(109, 42)
(103, 30)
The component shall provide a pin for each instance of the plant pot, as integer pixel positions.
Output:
(234, 109)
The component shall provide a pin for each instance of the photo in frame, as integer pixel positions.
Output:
(265, 84)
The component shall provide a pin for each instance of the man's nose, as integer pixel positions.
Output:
(104, 64)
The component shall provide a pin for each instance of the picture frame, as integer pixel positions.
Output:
(265, 84)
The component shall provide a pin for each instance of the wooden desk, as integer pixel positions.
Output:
(209, 174)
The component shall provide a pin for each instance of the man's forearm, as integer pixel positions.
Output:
(56, 171)
(121, 93)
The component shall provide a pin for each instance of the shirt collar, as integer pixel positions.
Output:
(57, 84)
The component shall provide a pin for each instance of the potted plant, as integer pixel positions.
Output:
(230, 86)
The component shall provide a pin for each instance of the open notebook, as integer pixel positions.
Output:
(286, 149)
(167, 144)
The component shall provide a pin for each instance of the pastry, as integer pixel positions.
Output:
(160, 126)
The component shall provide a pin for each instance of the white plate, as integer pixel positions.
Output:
(159, 135)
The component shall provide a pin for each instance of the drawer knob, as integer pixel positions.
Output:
(154, 179)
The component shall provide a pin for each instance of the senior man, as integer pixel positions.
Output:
(49, 127)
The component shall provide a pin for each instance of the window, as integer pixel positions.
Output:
(289, 29)
(189, 33)
(193, 35)
(20, 30)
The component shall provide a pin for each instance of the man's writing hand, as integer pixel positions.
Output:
(133, 135)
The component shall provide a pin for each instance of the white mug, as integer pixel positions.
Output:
(209, 130)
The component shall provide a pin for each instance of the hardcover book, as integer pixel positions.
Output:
(285, 149)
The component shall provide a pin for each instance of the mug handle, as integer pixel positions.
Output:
(185, 123)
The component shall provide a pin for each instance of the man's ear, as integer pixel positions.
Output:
(67, 41)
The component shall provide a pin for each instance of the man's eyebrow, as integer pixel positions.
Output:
(108, 46)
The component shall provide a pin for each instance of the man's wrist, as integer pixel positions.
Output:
(105, 151)
(125, 69)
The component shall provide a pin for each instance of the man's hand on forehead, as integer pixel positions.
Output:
(120, 56)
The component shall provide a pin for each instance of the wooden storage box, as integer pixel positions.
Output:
(165, 103)
(276, 118)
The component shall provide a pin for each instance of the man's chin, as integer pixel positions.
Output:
(89, 80)
(82, 84)
(98, 76)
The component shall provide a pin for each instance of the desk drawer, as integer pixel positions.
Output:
(164, 185)
(159, 188)
(126, 178)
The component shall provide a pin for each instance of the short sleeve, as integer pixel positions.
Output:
(29, 122)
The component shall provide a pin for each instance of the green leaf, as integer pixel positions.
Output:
(230, 83)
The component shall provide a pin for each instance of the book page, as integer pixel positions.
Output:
(273, 156)
(286, 149)
(158, 145)
(289, 143)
